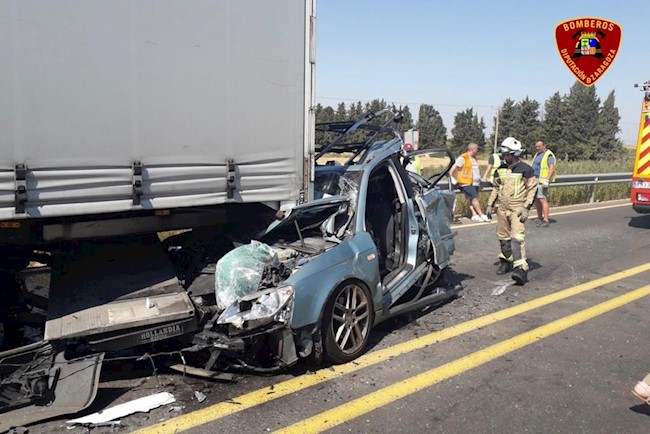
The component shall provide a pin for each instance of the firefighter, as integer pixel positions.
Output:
(515, 187)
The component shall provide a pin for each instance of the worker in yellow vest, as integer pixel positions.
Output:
(466, 174)
(494, 161)
(544, 169)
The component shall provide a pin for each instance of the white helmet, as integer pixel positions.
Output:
(510, 145)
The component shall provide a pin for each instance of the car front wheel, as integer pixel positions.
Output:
(347, 322)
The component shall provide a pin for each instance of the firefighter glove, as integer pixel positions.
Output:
(522, 213)
(488, 212)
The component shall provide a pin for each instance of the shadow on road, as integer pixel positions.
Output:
(387, 327)
(641, 222)
(641, 408)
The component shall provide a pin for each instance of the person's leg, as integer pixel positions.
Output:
(519, 263)
(542, 204)
(505, 244)
(477, 206)
(545, 215)
(470, 194)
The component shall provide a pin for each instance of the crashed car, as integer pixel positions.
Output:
(373, 244)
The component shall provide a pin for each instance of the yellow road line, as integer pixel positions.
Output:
(471, 225)
(302, 382)
(389, 394)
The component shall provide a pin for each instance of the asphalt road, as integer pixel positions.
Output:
(559, 354)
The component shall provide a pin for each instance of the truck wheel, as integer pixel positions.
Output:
(347, 322)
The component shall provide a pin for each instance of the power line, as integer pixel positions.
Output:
(408, 103)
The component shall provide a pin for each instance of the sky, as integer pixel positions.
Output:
(457, 55)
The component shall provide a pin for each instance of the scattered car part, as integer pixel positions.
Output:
(140, 405)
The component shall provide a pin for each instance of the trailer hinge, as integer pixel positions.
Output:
(20, 174)
(231, 186)
(137, 182)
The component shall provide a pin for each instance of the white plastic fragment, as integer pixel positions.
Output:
(200, 396)
(143, 405)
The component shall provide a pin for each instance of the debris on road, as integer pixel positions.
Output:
(500, 289)
(140, 405)
(200, 396)
(198, 372)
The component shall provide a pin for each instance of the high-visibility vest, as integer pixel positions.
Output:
(495, 166)
(465, 174)
(418, 165)
(543, 172)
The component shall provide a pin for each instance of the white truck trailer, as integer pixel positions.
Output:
(120, 119)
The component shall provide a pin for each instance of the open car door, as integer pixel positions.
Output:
(426, 168)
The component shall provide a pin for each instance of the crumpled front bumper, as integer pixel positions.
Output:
(254, 324)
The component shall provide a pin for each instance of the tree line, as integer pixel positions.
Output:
(575, 125)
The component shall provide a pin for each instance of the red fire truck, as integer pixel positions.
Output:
(640, 192)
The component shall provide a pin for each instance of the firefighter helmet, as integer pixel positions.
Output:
(511, 146)
(407, 147)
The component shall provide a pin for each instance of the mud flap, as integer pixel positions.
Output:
(38, 382)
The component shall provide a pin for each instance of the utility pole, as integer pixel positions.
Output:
(496, 130)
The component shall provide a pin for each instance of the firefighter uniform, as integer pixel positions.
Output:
(515, 187)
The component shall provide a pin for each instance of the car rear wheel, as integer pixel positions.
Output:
(347, 322)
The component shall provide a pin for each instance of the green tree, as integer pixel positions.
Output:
(527, 126)
(407, 119)
(356, 111)
(467, 128)
(553, 128)
(432, 131)
(608, 146)
(324, 115)
(341, 112)
(582, 117)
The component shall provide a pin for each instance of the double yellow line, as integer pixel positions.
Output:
(386, 395)
(391, 393)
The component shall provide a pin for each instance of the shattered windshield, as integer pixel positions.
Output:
(337, 182)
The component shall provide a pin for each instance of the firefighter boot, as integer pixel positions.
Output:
(504, 266)
(519, 275)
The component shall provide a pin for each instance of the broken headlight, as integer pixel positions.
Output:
(259, 309)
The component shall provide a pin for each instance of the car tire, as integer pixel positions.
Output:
(347, 322)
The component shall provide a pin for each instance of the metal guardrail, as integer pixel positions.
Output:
(590, 179)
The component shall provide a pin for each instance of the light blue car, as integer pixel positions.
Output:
(373, 244)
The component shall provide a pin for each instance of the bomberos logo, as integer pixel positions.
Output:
(588, 46)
